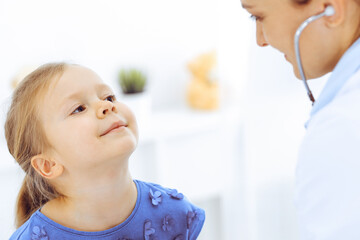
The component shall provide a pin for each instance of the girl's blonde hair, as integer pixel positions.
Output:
(26, 138)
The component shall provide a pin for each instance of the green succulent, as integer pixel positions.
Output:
(132, 81)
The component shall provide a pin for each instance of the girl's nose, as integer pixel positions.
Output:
(104, 108)
(260, 38)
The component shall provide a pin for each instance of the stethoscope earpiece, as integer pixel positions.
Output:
(329, 11)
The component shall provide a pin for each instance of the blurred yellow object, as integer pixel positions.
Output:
(21, 74)
(203, 90)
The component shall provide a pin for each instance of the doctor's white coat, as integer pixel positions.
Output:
(328, 169)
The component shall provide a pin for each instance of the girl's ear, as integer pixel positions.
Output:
(339, 15)
(46, 167)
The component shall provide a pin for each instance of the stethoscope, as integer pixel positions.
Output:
(329, 11)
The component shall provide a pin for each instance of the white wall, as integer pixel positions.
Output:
(159, 36)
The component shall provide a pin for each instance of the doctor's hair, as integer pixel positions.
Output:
(26, 138)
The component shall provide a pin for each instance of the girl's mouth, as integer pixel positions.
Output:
(116, 126)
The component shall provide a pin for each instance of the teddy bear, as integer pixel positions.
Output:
(203, 89)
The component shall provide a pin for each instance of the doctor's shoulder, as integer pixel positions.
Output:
(344, 110)
(172, 207)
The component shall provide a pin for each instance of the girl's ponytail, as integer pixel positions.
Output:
(24, 205)
(34, 192)
(26, 138)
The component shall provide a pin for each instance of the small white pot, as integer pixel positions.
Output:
(140, 105)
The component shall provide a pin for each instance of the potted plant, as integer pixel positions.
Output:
(133, 84)
(132, 81)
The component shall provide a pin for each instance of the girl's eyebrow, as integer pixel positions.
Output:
(102, 86)
(72, 96)
(76, 95)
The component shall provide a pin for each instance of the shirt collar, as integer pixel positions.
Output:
(347, 66)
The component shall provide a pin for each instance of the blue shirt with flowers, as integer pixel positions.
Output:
(159, 213)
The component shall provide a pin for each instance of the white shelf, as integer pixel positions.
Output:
(188, 149)
(185, 121)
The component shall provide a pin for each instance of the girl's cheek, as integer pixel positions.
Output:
(125, 111)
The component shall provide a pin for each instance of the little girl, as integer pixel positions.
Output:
(73, 139)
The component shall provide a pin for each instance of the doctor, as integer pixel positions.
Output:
(328, 169)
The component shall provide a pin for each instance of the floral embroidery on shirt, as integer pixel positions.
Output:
(191, 217)
(148, 230)
(155, 197)
(179, 237)
(168, 223)
(39, 234)
(174, 194)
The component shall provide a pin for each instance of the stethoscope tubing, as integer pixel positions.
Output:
(297, 51)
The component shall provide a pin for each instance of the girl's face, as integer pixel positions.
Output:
(86, 126)
(276, 24)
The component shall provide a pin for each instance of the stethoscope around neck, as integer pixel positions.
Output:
(329, 11)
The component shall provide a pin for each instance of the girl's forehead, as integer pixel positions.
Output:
(75, 77)
(75, 81)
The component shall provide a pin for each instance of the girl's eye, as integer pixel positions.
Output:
(78, 109)
(111, 98)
